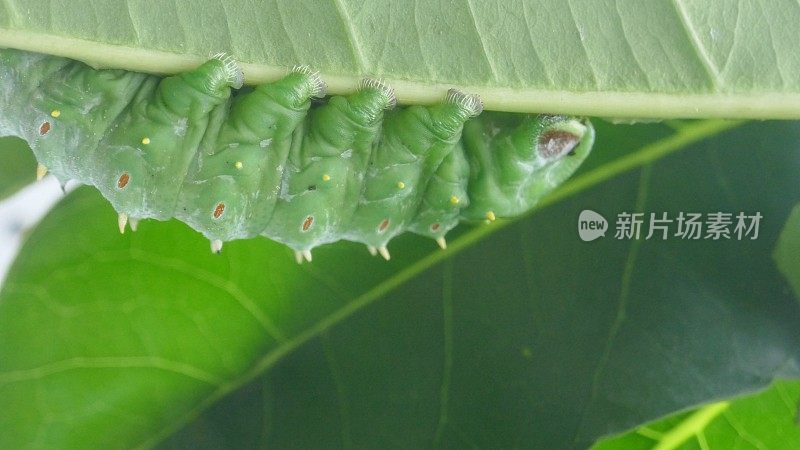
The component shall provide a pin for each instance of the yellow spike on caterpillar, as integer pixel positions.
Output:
(41, 171)
(302, 255)
(122, 221)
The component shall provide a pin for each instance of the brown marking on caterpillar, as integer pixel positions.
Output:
(219, 210)
(554, 143)
(44, 128)
(307, 223)
(435, 227)
(123, 180)
(383, 226)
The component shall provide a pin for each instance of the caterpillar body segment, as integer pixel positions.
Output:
(415, 141)
(235, 164)
(62, 109)
(324, 176)
(154, 142)
(233, 186)
(444, 198)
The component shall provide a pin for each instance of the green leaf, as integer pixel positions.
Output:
(787, 252)
(767, 420)
(17, 165)
(620, 59)
(535, 339)
(525, 336)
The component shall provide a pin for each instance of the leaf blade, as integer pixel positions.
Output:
(632, 60)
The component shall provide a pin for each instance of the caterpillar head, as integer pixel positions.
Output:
(560, 144)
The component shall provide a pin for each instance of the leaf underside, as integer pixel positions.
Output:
(603, 58)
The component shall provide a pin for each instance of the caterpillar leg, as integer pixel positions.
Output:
(414, 143)
(512, 169)
(325, 170)
(145, 158)
(232, 187)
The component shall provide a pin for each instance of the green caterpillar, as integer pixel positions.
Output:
(237, 163)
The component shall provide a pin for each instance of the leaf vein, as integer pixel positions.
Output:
(244, 300)
(694, 39)
(115, 362)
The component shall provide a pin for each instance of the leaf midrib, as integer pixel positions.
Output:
(628, 105)
(684, 137)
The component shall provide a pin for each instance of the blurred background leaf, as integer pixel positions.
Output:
(519, 335)
(787, 253)
(767, 420)
(17, 165)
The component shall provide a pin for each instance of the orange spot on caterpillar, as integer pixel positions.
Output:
(307, 223)
(123, 180)
(44, 128)
(383, 226)
(435, 227)
(219, 210)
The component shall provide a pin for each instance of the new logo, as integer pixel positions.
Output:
(591, 225)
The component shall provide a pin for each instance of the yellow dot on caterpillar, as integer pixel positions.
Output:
(55, 113)
(238, 165)
(454, 200)
(490, 216)
(400, 185)
(326, 177)
(145, 140)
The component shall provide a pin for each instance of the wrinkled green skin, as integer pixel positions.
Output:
(362, 171)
